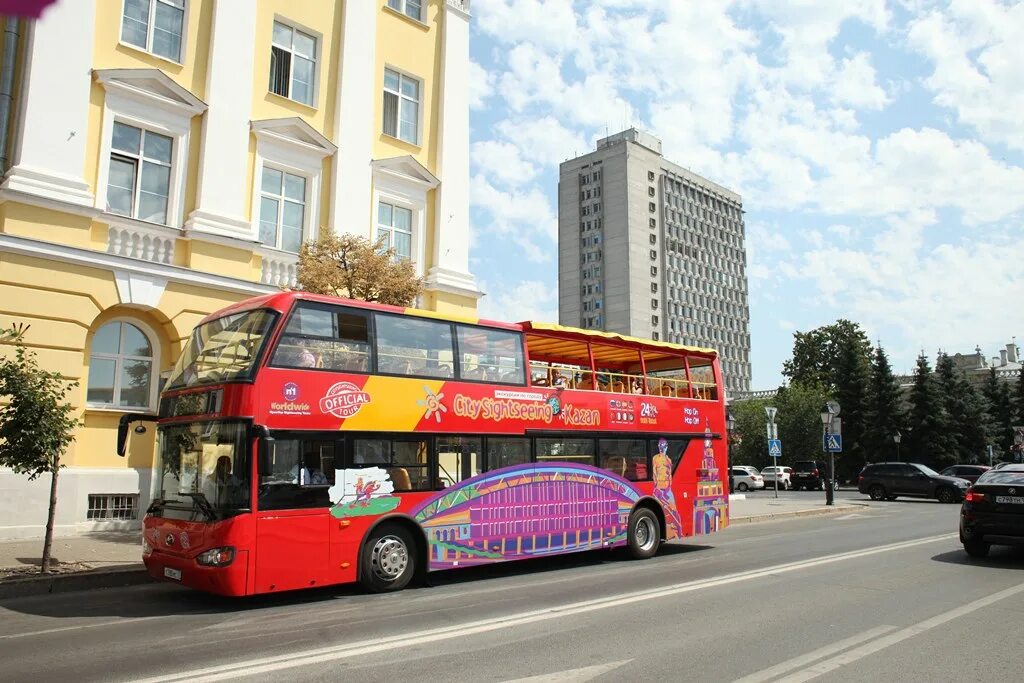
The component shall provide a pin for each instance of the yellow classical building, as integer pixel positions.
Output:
(165, 158)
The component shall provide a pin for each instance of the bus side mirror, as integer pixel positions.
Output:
(122, 428)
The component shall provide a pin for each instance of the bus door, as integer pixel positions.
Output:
(293, 518)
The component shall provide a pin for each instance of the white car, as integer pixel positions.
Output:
(785, 477)
(746, 478)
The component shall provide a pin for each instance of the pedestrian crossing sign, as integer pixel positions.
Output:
(832, 443)
(775, 448)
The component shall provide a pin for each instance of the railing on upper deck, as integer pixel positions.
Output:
(570, 377)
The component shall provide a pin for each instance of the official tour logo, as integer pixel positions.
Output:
(343, 399)
(290, 391)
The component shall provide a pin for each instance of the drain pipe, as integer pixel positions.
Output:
(11, 38)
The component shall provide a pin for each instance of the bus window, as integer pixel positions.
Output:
(405, 461)
(458, 458)
(414, 347)
(578, 451)
(625, 457)
(490, 355)
(702, 376)
(507, 451)
(325, 337)
(296, 473)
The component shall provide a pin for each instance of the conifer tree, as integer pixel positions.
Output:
(928, 441)
(884, 409)
(1000, 415)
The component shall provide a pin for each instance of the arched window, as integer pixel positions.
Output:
(120, 367)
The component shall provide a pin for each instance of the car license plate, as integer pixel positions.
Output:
(172, 573)
(1011, 500)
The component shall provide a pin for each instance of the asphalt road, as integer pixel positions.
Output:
(881, 594)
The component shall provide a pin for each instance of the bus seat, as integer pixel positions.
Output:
(616, 465)
(400, 479)
(666, 390)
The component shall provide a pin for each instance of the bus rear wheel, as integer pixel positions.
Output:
(644, 535)
(388, 560)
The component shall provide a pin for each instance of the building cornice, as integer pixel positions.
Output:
(459, 7)
(98, 259)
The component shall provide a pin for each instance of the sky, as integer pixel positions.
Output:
(878, 147)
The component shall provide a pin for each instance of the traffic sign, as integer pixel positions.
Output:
(775, 448)
(770, 412)
(833, 443)
(773, 430)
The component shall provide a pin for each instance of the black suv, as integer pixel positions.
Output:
(810, 475)
(886, 480)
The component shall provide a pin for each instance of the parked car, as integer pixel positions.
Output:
(968, 472)
(785, 477)
(993, 511)
(745, 478)
(810, 475)
(887, 480)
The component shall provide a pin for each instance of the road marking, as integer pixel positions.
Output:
(814, 655)
(852, 515)
(388, 643)
(588, 673)
(83, 626)
(901, 635)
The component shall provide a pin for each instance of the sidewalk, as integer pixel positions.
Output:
(102, 560)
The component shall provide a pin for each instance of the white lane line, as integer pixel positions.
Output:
(814, 655)
(893, 638)
(360, 648)
(582, 675)
(61, 629)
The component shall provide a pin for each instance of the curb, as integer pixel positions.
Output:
(78, 581)
(796, 513)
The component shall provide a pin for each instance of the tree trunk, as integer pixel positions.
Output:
(48, 539)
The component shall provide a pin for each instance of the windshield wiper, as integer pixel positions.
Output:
(200, 501)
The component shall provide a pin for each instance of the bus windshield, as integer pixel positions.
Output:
(222, 350)
(202, 471)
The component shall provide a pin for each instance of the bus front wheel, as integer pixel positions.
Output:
(644, 535)
(388, 559)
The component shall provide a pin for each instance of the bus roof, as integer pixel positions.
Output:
(282, 301)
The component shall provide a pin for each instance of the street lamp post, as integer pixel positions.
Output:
(897, 437)
(730, 423)
(828, 412)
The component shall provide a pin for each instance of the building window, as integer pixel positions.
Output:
(292, 63)
(140, 173)
(654, 222)
(113, 506)
(654, 255)
(120, 367)
(155, 26)
(654, 239)
(650, 191)
(410, 8)
(654, 271)
(651, 207)
(282, 209)
(654, 303)
(394, 225)
(654, 288)
(654, 320)
(650, 175)
(401, 106)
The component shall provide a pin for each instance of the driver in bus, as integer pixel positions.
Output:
(220, 484)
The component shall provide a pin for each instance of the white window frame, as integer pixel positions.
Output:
(317, 51)
(150, 27)
(404, 183)
(284, 145)
(398, 112)
(306, 222)
(154, 378)
(139, 160)
(403, 9)
(392, 229)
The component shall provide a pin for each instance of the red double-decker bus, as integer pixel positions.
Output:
(307, 440)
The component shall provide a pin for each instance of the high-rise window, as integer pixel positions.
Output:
(292, 63)
(139, 180)
(282, 209)
(401, 106)
(155, 26)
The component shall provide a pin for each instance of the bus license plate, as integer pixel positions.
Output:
(1010, 500)
(172, 573)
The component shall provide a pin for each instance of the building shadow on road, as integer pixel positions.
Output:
(166, 600)
(999, 557)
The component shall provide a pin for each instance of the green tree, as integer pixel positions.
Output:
(964, 411)
(928, 442)
(1000, 414)
(37, 424)
(356, 268)
(884, 409)
(750, 444)
(799, 420)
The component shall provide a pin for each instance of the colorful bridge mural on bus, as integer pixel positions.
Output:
(527, 511)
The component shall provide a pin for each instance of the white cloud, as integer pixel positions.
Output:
(481, 85)
(855, 84)
(525, 300)
(544, 140)
(523, 216)
(501, 160)
(550, 23)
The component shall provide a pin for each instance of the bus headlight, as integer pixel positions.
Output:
(217, 557)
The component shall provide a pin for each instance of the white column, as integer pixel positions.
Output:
(450, 271)
(222, 195)
(353, 119)
(53, 122)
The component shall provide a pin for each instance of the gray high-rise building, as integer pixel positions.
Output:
(649, 249)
